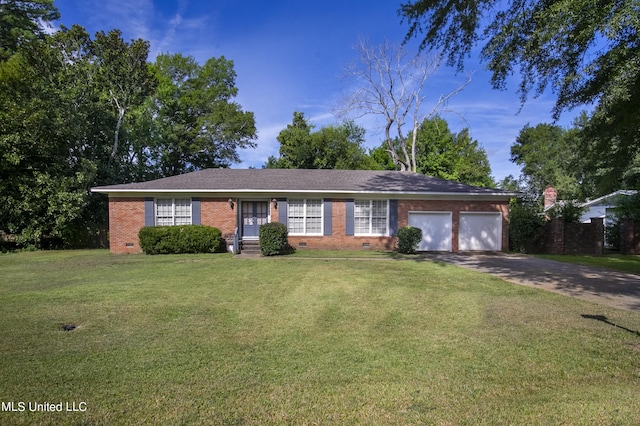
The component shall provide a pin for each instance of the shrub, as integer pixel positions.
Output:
(409, 238)
(274, 239)
(570, 212)
(180, 239)
(525, 220)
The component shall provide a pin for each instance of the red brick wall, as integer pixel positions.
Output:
(126, 218)
(218, 213)
(339, 239)
(455, 207)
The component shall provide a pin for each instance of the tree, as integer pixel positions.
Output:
(445, 154)
(296, 151)
(48, 114)
(391, 85)
(123, 73)
(21, 21)
(553, 156)
(331, 147)
(195, 122)
(453, 156)
(587, 52)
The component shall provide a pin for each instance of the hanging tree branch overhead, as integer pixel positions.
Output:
(391, 84)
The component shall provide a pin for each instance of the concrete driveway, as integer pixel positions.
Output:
(617, 289)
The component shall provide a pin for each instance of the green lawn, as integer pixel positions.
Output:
(623, 263)
(209, 339)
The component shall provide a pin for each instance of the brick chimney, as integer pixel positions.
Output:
(550, 195)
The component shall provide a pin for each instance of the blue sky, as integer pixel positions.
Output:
(290, 55)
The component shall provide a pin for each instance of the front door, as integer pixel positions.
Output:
(254, 214)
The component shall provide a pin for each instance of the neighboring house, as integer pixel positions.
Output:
(323, 209)
(601, 208)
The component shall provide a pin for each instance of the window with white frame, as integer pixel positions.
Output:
(371, 217)
(305, 217)
(173, 211)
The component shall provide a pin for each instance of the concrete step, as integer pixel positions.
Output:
(250, 247)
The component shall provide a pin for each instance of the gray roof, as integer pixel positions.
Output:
(297, 180)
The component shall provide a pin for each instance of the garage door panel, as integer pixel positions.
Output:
(480, 232)
(436, 230)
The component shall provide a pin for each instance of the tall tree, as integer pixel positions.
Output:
(446, 154)
(549, 156)
(331, 147)
(392, 84)
(22, 21)
(453, 156)
(123, 74)
(296, 146)
(195, 122)
(586, 51)
(48, 114)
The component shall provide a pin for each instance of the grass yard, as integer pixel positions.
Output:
(618, 262)
(209, 339)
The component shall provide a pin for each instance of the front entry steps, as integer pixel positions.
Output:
(250, 247)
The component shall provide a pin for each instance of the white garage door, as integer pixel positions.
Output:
(480, 231)
(436, 230)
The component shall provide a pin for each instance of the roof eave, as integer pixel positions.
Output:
(403, 194)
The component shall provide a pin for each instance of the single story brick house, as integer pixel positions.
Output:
(323, 209)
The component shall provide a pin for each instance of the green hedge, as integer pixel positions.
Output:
(274, 239)
(409, 239)
(181, 239)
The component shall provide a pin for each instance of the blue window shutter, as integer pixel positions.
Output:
(393, 217)
(350, 219)
(283, 211)
(195, 211)
(149, 212)
(327, 216)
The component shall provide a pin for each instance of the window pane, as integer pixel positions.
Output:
(361, 225)
(164, 208)
(164, 221)
(362, 208)
(173, 212)
(379, 226)
(296, 225)
(314, 225)
(183, 207)
(379, 209)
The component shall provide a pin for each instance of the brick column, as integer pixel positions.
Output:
(597, 225)
(629, 239)
(557, 236)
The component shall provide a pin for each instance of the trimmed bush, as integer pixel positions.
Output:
(180, 239)
(409, 239)
(274, 239)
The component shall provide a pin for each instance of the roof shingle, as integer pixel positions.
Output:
(290, 180)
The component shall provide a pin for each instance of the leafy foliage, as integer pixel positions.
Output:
(552, 156)
(570, 212)
(77, 112)
(453, 156)
(409, 238)
(331, 147)
(180, 239)
(194, 122)
(21, 22)
(274, 239)
(525, 219)
(626, 207)
(442, 153)
(587, 52)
